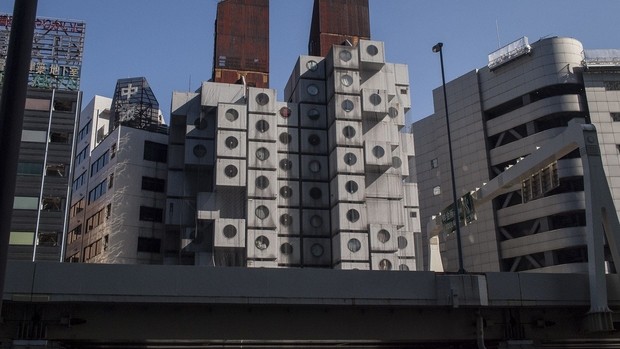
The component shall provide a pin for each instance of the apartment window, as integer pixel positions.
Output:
(84, 131)
(48, 238)
(82, 155)
(151, 214)
(30, 168)
(113, 151)
(99, 163)
(95, 220)
(25, 203)
(153, 184)
(98, 191)
(434, 163)
(111, 181)
(76, 208)
(437, 190)
(75, 234)
(150, 245)
(157, 152)
(64, 105)
(79, 182)
(413, 214)
(615, 116)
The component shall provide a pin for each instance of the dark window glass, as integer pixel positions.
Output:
(151, 245)
(153, 184)
(157, 152)
(151, 214)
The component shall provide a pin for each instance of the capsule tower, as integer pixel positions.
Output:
(314, 181)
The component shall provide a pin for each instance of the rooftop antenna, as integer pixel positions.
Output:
(189, 85)
(499, 45)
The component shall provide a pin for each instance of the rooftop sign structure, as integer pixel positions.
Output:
(509, 52)
(57, 50)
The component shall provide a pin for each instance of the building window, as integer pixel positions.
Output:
(82, 155)
(111, 181)
(76, 208)
(55, 170)
(353, 215)
(413, 214)
(313, 114)
(231, 115)
(150, 245)
(99, 163)
(262, 212)
(151, 214)
(261, 242)
(98, 191)
(38, 104)
(615, 116)
(48, 238)
(261, 182)
(354, 245)
(84, 131)
(52, 203)
(434, 163)
(60, 137)
(437, 190)
(21, 238)
(286, 249)
(153, 184)
(34, 136)
(64, 105)
(96, 220)
(29, 168)
(157, 152)
(25, 203)
(113, 151)
(262, 98)
(75, 234)
(79, 182)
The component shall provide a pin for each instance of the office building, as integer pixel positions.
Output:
(116, 213)
(499, 114)
(52, 107)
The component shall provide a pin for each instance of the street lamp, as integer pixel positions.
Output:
(439, 48)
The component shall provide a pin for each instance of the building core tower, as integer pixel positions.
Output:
(335, 22)
(242, 43)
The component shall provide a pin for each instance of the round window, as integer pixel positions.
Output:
(285, 112)
(317, 250)
(403, 267)
(383, 236)
(285, 138)
(313, 114)
(200, 150)
(314, 166)
(231, 171)
(200, 123)
(396, 162)
(231, 142)
(351, 187)
(375, 99)
(345, 55)
(286, 164)
(262, 126)
(262, 154)
(393, 112)
(231, 115)
(261, 212)
(312, 65)
(230, 231)
(353, 215)
(354, 245)
(350, 159)
(286, 219)
(372, 50)
(402, 242)
(385, 265)
(378, 151)
(286, 192)
(346, 80)
(286, 249)
(316, 193)
(262, 98)
(348, 132)
(316, 221)
(262, 182)
(347, 105)
(314, 139)
(261, 242)
(312, 89)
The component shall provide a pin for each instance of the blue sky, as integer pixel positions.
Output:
(170, 42)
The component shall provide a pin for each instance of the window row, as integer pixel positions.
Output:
(99, 163)
(95, 248)
(98, 218)
(39, 136)
(98, 191)
(36, 169)
(80, 181)
(48, 203)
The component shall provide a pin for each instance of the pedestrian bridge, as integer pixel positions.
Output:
(60, 305)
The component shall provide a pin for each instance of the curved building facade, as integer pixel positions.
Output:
(498, 115)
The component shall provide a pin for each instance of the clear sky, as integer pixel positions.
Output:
(170, 42)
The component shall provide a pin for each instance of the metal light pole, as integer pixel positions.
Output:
(439, 48)
(12, 105)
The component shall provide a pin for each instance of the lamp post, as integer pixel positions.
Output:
(439, 48)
